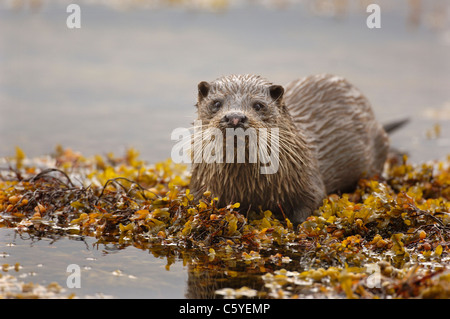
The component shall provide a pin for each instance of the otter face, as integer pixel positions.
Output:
(239, 101)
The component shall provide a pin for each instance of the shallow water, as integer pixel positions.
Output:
(106, 271)
(128, 78)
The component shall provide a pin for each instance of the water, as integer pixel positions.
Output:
(129, 77)
(106, 270)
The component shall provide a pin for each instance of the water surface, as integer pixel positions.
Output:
(106, 270)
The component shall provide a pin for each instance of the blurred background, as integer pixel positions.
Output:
(129, 75)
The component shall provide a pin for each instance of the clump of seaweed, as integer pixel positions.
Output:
(388, 238)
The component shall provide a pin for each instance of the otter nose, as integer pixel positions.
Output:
(234, 119)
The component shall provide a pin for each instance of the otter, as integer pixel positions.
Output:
(328, 139)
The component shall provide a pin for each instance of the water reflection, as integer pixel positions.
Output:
(134, 270)
(207, 284)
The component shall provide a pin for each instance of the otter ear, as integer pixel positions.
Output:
(276, 91)
(203, 89)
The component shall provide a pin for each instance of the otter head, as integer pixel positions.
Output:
(274, 171)
(240, 101)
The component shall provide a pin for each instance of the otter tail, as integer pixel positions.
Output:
(393, 126)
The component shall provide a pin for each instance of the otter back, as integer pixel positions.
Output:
(341, 129)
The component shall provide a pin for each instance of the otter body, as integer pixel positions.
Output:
(328, 139)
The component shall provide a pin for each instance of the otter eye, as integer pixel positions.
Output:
(258, 106)
(216, 105)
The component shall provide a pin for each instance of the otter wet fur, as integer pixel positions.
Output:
(327, 134)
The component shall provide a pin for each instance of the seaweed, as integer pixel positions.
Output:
(389, 238)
